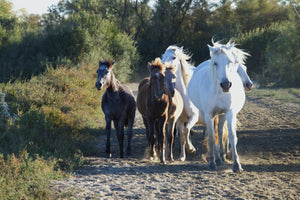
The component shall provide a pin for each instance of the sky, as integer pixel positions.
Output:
(33, 6)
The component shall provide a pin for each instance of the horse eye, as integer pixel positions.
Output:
(215, 64)
(174, 57)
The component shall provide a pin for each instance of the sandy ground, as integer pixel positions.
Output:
(268, 145)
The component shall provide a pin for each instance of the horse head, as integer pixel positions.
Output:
(178, 58)
(170, 79)
(171, 55)
(157, 78)
(104, 73)
(224, 64)
(242, 71)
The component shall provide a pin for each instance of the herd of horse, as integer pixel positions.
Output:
(177, 96)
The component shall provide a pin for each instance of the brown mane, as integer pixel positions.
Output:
(156, 64)
(109, 63)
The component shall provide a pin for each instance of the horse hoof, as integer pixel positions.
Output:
(191, 150)
(182, 159)
(212, 166)
(237, 168)
(108, 155)
(163, 162)
(219, 162)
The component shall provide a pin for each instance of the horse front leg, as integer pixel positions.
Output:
(221, 134)
(119, 126)
(193, 119)
(150, 137)
(108, 132)
(161, 135)
(170, 139)
(231, 123)
(209, 121)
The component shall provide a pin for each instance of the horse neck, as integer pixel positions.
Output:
(214, 76)
(114, 84)
(184, 74)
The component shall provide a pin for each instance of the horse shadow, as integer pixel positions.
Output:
(252, 143)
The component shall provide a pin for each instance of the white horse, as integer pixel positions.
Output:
(191, 115)
(217, 88)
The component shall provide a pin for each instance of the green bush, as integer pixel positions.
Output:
(26, 178)
(80, 38)
(283, 56)
(59, 115)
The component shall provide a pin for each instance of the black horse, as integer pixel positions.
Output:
(118, 105)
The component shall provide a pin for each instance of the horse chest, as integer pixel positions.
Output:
(113, 105)
(158, 108)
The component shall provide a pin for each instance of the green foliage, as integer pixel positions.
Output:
(78, 38)
(256, 42)
(59, 115)
(283, 56)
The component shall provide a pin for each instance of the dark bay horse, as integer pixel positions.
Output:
(118, 105)
(160, 105)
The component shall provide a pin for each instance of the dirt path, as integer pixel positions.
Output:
(269, 149)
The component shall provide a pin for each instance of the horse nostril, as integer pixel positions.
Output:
(98, 85)
(249, 86)
(158, 94)
(226, 85)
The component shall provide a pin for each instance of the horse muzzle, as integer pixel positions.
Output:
(225, 85)
(248, 86)
(98, 85)
(158, 95)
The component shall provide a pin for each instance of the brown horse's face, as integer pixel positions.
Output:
(104, 76)
(157, 81)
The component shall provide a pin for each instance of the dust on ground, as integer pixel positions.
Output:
(268, 145)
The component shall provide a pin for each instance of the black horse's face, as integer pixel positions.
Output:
(104, 76)
(170, 81)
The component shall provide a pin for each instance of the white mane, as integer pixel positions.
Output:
(187, 68)
(239, 54)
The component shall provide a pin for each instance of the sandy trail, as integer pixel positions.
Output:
(268, 145)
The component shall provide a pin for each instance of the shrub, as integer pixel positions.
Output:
(283, 56)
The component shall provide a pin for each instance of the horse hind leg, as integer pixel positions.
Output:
(129, 134)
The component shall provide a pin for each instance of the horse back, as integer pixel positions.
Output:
(119, 106)
(141, 99)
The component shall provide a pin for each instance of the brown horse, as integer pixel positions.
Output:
(160, 105)
(118, 105)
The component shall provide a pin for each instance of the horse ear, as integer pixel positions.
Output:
(211, 49)
(230, 46)
(149, 66)
(181, 48)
